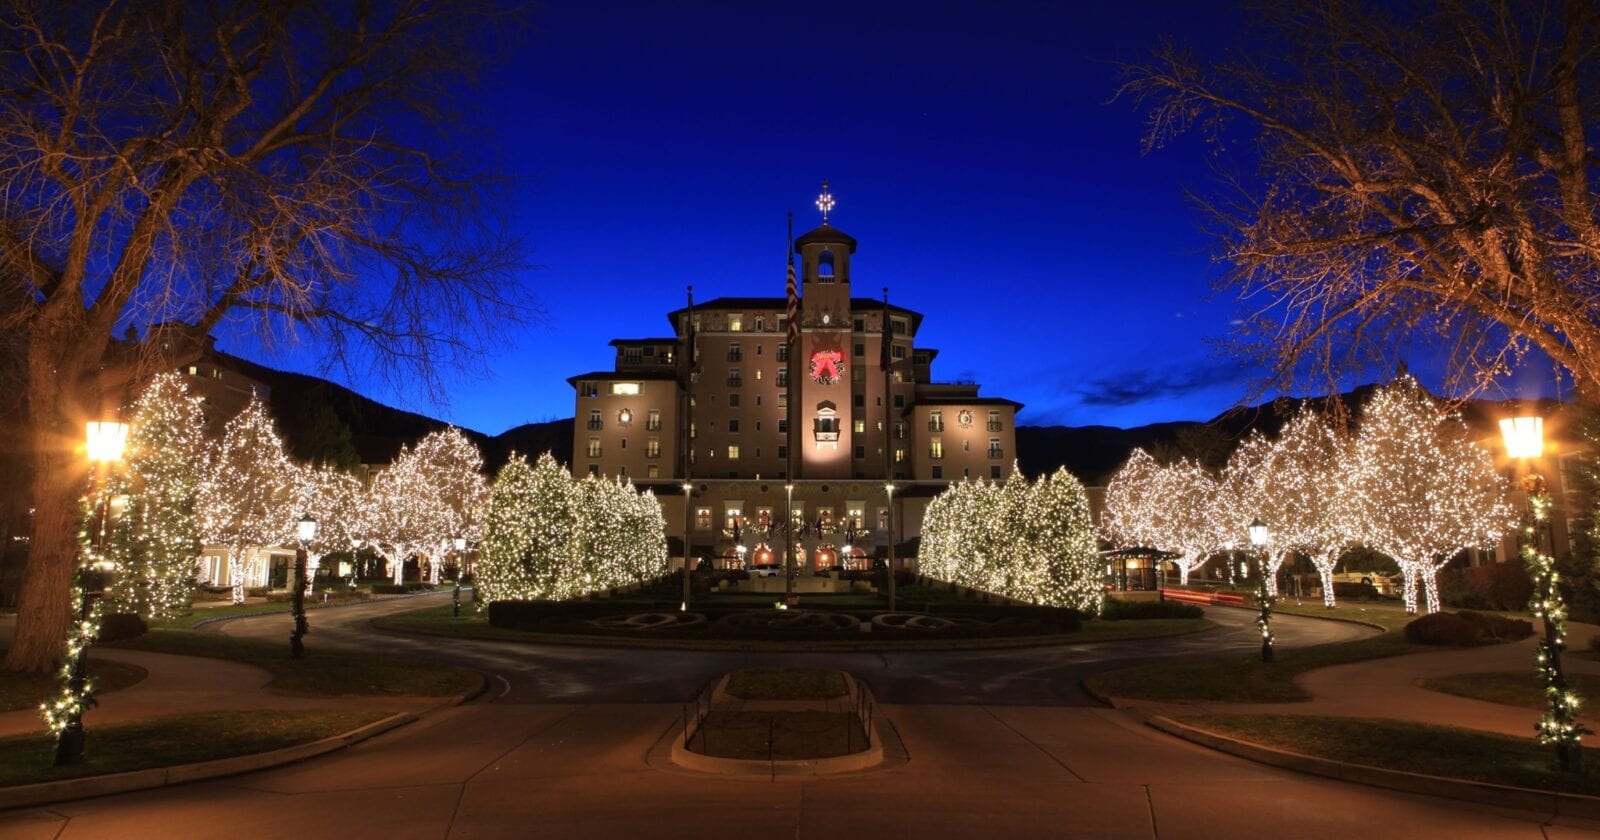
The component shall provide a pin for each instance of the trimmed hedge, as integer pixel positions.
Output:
(1466, 629)
(392, 589)
(1115, 610)
(119, 626)
(1344, 590)
(1493, 586)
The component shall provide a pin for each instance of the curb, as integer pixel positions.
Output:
(1482, 793)
(156, 777)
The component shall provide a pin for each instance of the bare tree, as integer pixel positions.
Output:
(168, 167)
(1394, 170)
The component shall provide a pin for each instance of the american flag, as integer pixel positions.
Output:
(794, 308)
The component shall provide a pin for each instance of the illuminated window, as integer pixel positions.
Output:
(652, 448)
(733, 453)
(652, 420)
(936, 448)
(860, 426)
(652, 471)
(735, 323)
(594, 447)
(899, 455)
(702, 519)
(624, 389)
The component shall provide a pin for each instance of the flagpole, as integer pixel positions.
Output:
(886, 360)
(791, 471)
(688, 445)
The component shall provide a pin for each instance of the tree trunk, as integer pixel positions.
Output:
(43, 603)
(1408, 572)
(1430, 583)
(1325, 566)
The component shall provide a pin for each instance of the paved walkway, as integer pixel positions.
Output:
(515, 764)
(1392, 688)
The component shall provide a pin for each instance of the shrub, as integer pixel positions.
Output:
(389, 589)
(119, 626)
(1115, 610)
(1499, 627)
(1442, 628)
(1354, 591)
(1493, 586)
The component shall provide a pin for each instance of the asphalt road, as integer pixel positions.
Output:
(552, 673)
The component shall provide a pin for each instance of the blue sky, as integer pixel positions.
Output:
(973, 150)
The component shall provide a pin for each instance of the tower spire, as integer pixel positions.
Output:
(825, 201)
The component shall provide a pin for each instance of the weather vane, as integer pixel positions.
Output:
(825, 202)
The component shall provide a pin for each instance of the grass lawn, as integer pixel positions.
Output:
(1510, 688)
(1409, 746)
(27, 691)
(1244, 678)
(199, 614)
(321, 672)
(166, 741)
(786, 684)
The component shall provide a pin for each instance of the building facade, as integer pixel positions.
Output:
(717, 406)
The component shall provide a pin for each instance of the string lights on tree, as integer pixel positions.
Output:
(248, 492)
(546, 536)
(155, 543)
(1180, 508)
(1420, 489)
(1027, 541)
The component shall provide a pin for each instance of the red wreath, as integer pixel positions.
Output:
(827, 366)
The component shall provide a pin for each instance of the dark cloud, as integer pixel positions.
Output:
(1137, 386)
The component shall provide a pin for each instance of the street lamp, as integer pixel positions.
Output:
(105, 441)
(461, 567)
(306, 531)
(688, 512)
(888, 490)
(1259, 535)
(1524, 440)
(789, 599)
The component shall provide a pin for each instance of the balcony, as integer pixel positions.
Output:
(652, 425)
(935, 425)
(735, 356)
(994, 425)
(596, 425)
(594, 452)
(996, 452)
(936, 454)
(735, 381)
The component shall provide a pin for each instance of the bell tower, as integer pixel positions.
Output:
(826, 410)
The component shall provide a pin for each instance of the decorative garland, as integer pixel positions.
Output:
(1559, 725)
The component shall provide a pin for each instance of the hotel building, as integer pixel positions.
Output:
(863, 419)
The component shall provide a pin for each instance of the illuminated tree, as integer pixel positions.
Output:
(1177, 508)
(337, 501)
(1063, 533)
(1301, 501)
(158, 544)
(547, 536)
(248, 491)
(1245, 491)
(1030, 542)
(453, 470)
(168, 168)
(1421, 490)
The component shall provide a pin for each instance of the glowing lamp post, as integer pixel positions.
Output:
(1524, 440)
(1259, 536)
(105, 442)
(688, 512)
(888, 493)
(461, 568)
(305, 531)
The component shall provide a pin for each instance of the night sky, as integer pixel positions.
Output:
(972, 149)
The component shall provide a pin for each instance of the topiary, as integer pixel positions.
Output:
(1442, 628)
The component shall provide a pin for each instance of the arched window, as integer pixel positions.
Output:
(825, 266)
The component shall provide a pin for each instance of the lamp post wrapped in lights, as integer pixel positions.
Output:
(305, 531)
(1524, 440)
(105, 442)
(1259, 535)
(461, 568)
